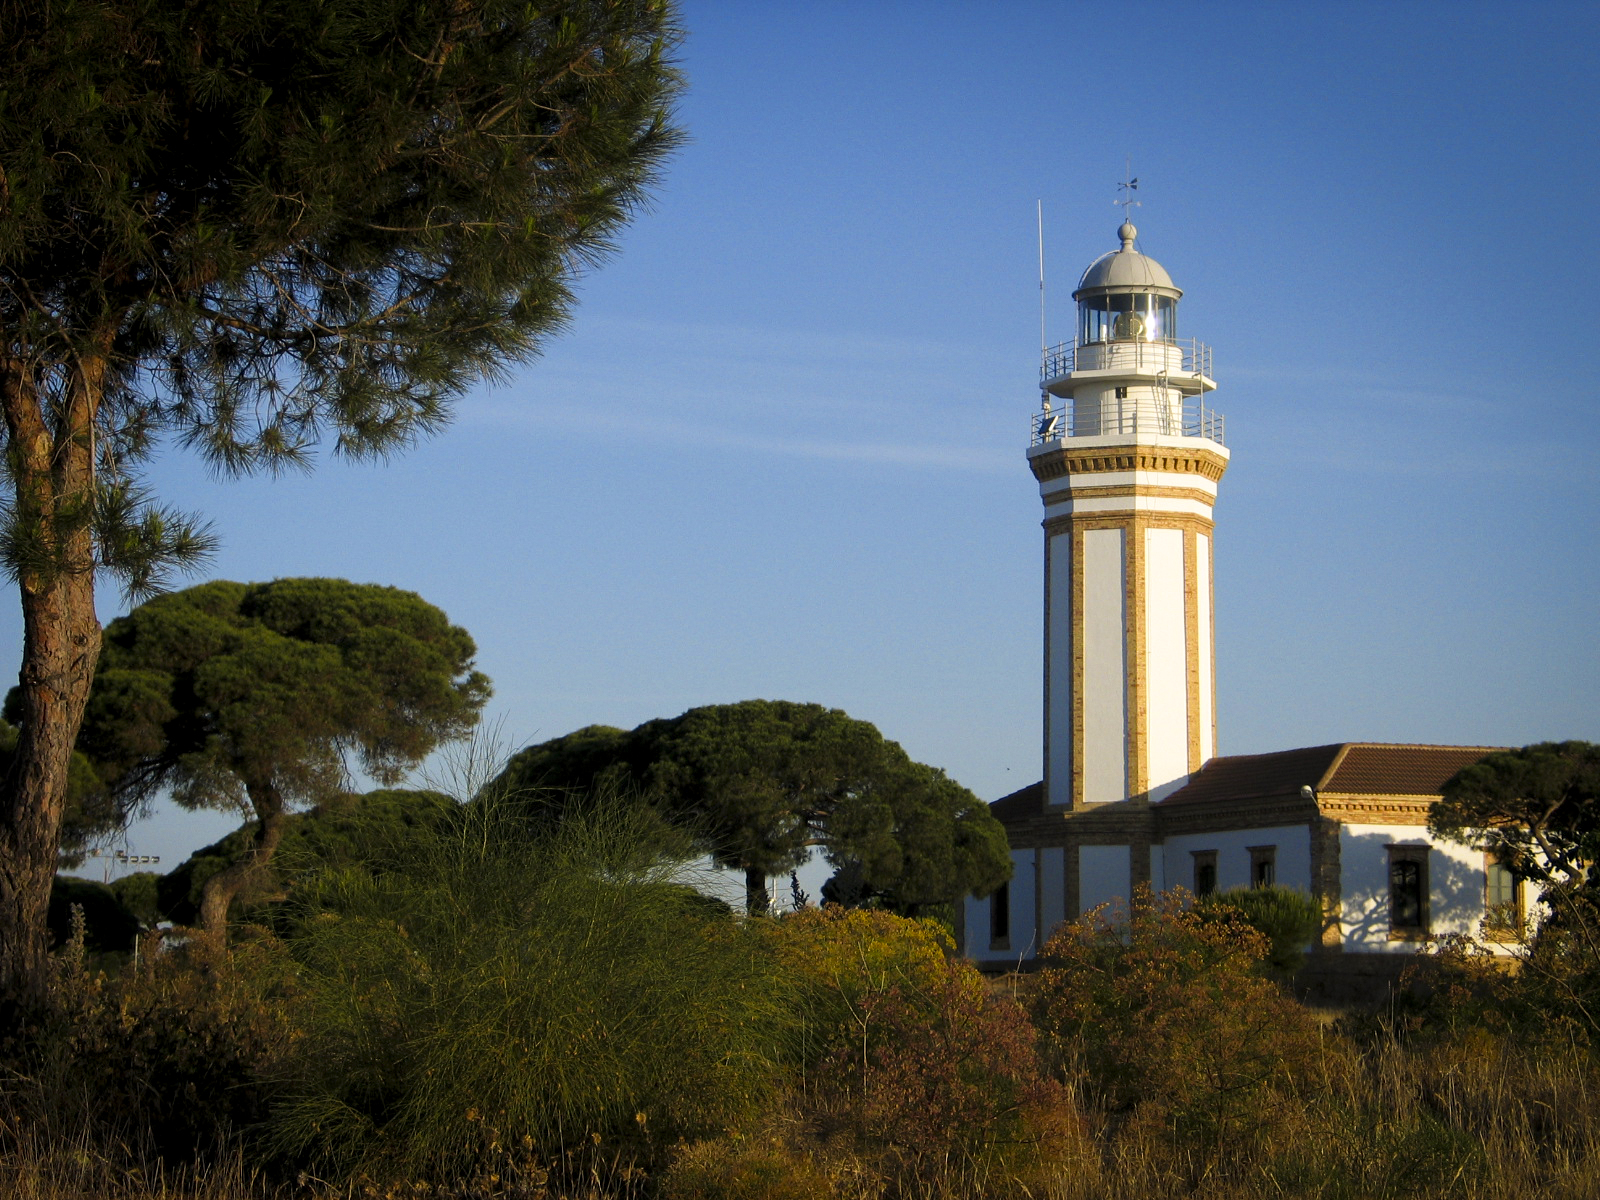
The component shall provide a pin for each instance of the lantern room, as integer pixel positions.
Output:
(1126, 296)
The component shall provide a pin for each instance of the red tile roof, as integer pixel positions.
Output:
(1351, 768)
(1257, 776)
(1376, 770)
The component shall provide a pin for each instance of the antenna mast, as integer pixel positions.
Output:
(1043, 342)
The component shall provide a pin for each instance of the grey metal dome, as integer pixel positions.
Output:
(1126, 270)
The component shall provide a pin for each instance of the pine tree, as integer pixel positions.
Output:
(250, 697)
(257, 228)
(763, 782)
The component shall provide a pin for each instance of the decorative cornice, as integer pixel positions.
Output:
(1074, 460)
(1376, 810)
(1224, 815)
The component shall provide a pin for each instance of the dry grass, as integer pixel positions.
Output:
(34, 1168)
(1476, 1116)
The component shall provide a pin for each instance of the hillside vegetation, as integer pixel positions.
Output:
(488, 1006)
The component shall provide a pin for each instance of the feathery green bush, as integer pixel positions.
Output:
(507, 981)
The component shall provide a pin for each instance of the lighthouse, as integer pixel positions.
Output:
(1128, 455)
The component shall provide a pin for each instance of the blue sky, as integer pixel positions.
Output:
(780, 451)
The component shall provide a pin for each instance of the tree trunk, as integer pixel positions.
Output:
(217, 895)
(756, 900)
(52, 469)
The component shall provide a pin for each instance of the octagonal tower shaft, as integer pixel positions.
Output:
(1128, 457)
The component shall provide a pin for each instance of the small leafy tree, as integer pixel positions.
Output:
(251, 696)
(254, 229)
(1537, 811)
(107, 924)
(1286, 918)
(342, 832)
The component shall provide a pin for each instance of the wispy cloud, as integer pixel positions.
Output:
(902, 402)
(617, 425)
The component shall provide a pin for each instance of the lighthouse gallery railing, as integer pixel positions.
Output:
(1185, 356)
(1130, 418)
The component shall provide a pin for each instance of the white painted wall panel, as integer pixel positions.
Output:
(1021, 901)
(974, 927)
(1129, 479)
(1024, 898)
(1105, 504)
(1292, 860)
(1103, 875)
(1052, 890)
(1105, 689)
(1058, 734)
(1455, 886)
(1166, 663)
(1202, 567)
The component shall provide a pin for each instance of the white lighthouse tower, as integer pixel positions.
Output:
(1128, 457)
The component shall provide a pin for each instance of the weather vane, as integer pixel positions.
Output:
(1128, 186)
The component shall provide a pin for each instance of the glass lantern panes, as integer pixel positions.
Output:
(1127, 316)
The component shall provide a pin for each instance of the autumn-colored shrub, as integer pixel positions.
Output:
(908, 1055)
(1165, 1011)
(943, 1066)
(835, 957)
(856, 950)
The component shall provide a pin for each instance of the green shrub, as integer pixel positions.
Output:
(554, 982)
(344, 831)
(1286, 918)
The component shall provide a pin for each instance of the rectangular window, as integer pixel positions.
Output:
(1408, 892)
(1263, 866)
(1205, 871)
(1502, 899)
(1122, 393)
(1000, 918)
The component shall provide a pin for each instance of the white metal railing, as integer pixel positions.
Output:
(1189, 418)
(1187, 356)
